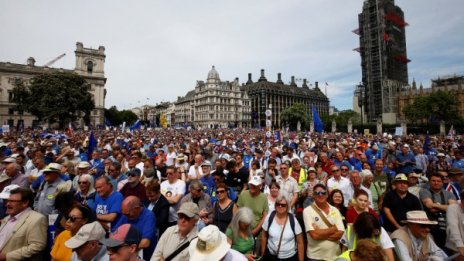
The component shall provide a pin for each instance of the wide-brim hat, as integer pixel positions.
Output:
(211, 244)
(400, 177)
(418, 217)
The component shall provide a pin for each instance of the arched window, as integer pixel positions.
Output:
(89, 66)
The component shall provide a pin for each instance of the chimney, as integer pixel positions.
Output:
(262, 78)
(279, 79)
(292, 83)
(305, 84)
(316, 84)
(250, 81)
(31, 61)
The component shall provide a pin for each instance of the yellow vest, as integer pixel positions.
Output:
(301, 179)
(345, 256)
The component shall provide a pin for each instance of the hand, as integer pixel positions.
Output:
(250, 257)
(461, 251)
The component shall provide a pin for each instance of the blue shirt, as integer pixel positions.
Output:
(208, 184)
(36, 183)
(108, 205)
(410, 161)
(459, 164)
(145, 223)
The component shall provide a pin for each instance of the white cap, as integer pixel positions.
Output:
(256, 181)
(7, 190)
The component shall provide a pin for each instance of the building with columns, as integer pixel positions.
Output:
(89, 64)
(278, 96)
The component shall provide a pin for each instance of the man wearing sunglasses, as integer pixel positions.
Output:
(337, 181)
(324, 227)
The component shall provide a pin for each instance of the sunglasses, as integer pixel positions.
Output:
(320, 193)
(184, 217)
(424, 226)
(83, 182)
(116, 248)
(133, 175)
(335, 170)
(344, 169)
(280, 205)
(72, 219)
(220, 191)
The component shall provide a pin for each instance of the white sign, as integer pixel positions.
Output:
(268, 134)
(399, 131)
(268, 113)
(268, 123)
(6, 128)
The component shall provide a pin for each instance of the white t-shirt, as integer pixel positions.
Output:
(192, 174)
(344, 185)
(234, 255)
(171, 158)
(288, 245)
(174, 189)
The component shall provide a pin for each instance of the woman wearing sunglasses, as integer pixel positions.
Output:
(282, 234)
(223, 209)
(79, 216)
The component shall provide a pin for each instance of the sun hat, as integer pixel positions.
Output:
(211, 244)
(400, 177)
(418, 217)
(52, 167)
(83, 165)
(88, 232)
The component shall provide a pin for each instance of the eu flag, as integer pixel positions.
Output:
(318, 125)
(92, 144)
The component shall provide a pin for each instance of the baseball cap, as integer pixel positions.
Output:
(189, 209)
(256, 181)
(400, 177)
(9, 160)
(7, 190)
(312, 169)
(125, 234)
(88, 232)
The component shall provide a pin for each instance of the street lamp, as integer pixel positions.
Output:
(360, 92)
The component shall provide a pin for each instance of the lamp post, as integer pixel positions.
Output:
(360, 92)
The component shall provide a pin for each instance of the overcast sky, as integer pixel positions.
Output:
(157, 50)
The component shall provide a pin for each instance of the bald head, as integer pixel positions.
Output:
(131, 207)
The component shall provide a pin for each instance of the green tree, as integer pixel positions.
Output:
(60, 97)
(438, 106)
(344, 116)
(117, 117)
(294, 114)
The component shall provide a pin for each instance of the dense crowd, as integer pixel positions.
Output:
(230, 194)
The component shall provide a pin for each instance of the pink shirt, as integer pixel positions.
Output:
(10, 223)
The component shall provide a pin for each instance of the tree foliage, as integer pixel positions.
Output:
(341, 118)
(294, 114)
(438, 106)
(117, 117)
(60, 97)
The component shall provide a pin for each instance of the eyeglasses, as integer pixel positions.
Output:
(281, 205)
(83, 182)
(335, 170)
(116, 248)
(424, 225)
(72, 219)
(320, 193)
(184, 217)
(169, 173)
(344, 169)
(220, 191)
(111, 170)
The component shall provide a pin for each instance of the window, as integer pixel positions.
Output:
(10, 111)
(89, 66)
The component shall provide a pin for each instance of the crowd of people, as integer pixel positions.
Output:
(230, 194)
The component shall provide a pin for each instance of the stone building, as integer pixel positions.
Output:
(220, 104)
(281, 96)
(89, 64)
(184, 109)
(453, 84)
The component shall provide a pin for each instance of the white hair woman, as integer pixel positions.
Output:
(85, 191)
(239, 233)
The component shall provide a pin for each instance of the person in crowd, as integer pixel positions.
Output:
(255, 169)
(325, 163)
(367, 226)
(324, 227)
(174, 242)
(257, 202)
(339, 182)
(64, 203)
(359, 205)
(355, 182)
(159, 205)
(77, 217)
(134, 187)
(320, 173)
(49, 188)
(340, 161)
(345, 171)
(123, 243)
(297, 172)
(173, 189)
(197, 196)
(24, 231)
(448, 185)
(436, 201)
(86, 193)
(86, 245)
(107, 203)
(271, 172)
(118, 179)
(381, 178)
(366, 250)
(143, 219)
(281, 232)
(288, 184)
(239, 232)
(308, 186)
(274, 192)
(455, 229)
(171, 155)
(219, 177)
(236, 178)
(15, 176)
(82, 167)
(336, 199)
(215, 242)
(440, 165)
(398, 202)
(455, 176)
(195, 172)
(207, 179)
(413, 184)
(224, 208)
(413, 241)
(405, 160)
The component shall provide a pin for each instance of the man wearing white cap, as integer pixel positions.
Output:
(211, 244)
(48, 189)
(85, 243)
(413, 241)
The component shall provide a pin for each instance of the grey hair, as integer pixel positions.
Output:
(89, 178)
(17, 167)
(244, 215)
(280, 198)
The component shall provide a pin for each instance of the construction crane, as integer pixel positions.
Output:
(54, 60)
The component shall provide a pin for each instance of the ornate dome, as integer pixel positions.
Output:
(213, 75)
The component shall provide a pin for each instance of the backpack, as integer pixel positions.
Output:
(290, 216)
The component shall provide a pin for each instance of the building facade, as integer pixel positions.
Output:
(220, 104)
(452, 84)
(384, 61)
(184, 109)
(277, 96)
(89, 64)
